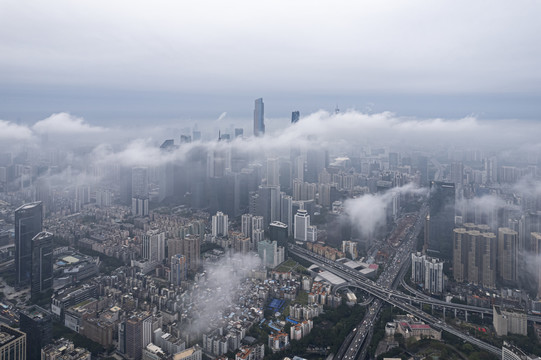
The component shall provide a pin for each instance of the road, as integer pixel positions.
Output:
(357, 347)
(384, 290)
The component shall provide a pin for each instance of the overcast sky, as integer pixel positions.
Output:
(188, 61)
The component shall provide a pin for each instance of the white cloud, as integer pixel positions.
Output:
(368, 212)
(13, 132)
(65, 124)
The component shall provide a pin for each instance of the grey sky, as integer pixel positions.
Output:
(166, 60)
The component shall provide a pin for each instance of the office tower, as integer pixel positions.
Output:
(154, 246)
(12, 344)
(42, 263)
(28, 223)
(433, 276)
(286, 212)
(220, 224)
(134, 337)
(37, 324)
(259, 118)
(246, 225)
(196, 135)
(442, 219)
(239, 132)
(273, 172)
(192, 251)
(295, 116)
(270, 253)
(417, 267)
(278, 232)
(268, 203)
(507, 255)
(302, 222)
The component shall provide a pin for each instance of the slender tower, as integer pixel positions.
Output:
(259, 114)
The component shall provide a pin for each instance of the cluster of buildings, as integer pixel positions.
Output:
(428, 272)
(409, 327)
(483, 258)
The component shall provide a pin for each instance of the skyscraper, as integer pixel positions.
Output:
(179, 269)
(28, 223)
(302, 222)
(295, 116)
(508, 255)
(134, 337)
(246, 225)
(220, 224)
(192, 251)
(37, 324)
(154, 246)
(139, 191)
(259, 118)
(278, 233)
(42, 263)
(273, 172)
(442, 219)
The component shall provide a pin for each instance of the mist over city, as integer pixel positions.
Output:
(270, 180)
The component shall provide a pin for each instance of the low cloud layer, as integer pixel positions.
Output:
(224, 279)
(368, 212)
(349, 130)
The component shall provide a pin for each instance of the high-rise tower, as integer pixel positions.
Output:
(28, 223)
(259, 120)
(42, 263)
(295, 116)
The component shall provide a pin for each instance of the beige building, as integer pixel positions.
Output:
(507, 255)
(12, 343)
(507, 321)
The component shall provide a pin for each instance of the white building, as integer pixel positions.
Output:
(154, 246)
(302, 223)
(220, 224)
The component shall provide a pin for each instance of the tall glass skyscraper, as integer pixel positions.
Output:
(259, 121)
(28, 223)
(42, 263)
